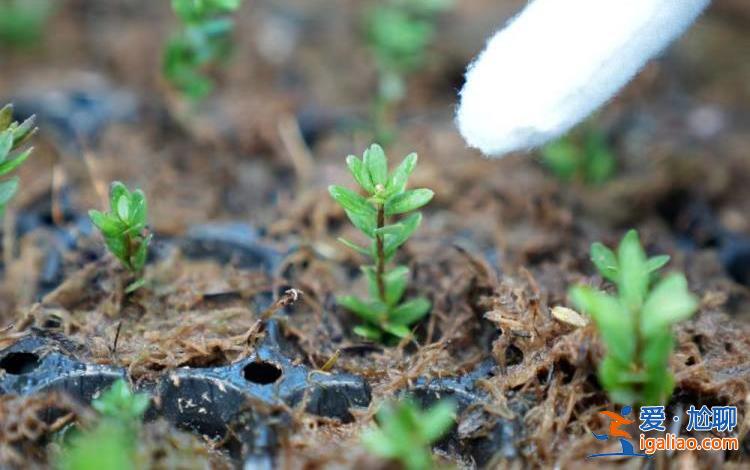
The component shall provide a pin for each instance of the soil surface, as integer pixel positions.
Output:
(241, 214)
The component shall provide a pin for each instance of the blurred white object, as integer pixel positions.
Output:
(559, 60)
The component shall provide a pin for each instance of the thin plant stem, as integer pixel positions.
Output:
(380, 269)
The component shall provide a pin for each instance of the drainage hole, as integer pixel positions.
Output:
(17, 363)
(263, 373)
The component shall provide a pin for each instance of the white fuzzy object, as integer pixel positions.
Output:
(559, 60)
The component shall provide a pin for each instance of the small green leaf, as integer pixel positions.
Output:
(438, 420)
(375, 440)
(138, 209)
(123, 208)
(117, 190)
(395, 284)
(400, 331)
(393, 242)
(117, 246)
(6, 144)
(366, 223)
(656, 262)
(368, 332)
(141, 253)
(6, 116)
(360, 173)
(669, 302)
(394, 229)
(371, 311)
(410, 311)
(408, 201)
(614, 323)
(355, 247)
(377, 164)
(399, 177)
(24, 132)
(10, 165)
(351, 201)
(605, 261)
(633, 277)
(8, 189)
(109, 226)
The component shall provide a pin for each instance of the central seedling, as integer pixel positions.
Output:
(636, 324)
(123, 229)
(387, 196)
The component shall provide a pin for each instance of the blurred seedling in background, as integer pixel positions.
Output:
(405, 433)
(123, 229)
(203, 40)
(399, 33)
(12, 136)
(635, 324)
(22, 22)
(583, 156)
(112, 443)
(387, 196)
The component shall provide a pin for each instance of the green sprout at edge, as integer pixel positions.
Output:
(387, 196)
(405, 433)
(636, 323)
(123, 229)
(112, 443)
(202, 41)
(12, 136)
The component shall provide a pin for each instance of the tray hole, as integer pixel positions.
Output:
(263, 373)
(17, 363)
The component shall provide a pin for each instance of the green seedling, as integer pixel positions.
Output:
(12, 136)
(204, 40)
(635, 324)
(22, 21)
(583, 156)
(387, 196)
(111, 444)
(398, 32)
(405, 433)
(123, 229)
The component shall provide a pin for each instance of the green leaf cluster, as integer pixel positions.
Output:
(405, 432)
(635, 324)
(12, 136)
(123, 227)
(111, 444)
(204, 39)
(386, 196)
(584, 157)
(22, 22)
(398, 32)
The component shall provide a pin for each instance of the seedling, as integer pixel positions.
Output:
(203, 40)
(123, 229)
(387, 196)
(22, 21)
(636, 323)
(405, 433)
(12, 136)
(112, 442)
(398, 34)
(584, 157)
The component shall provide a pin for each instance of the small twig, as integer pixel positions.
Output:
(290, 296)
(113, 349)
(331, 361)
